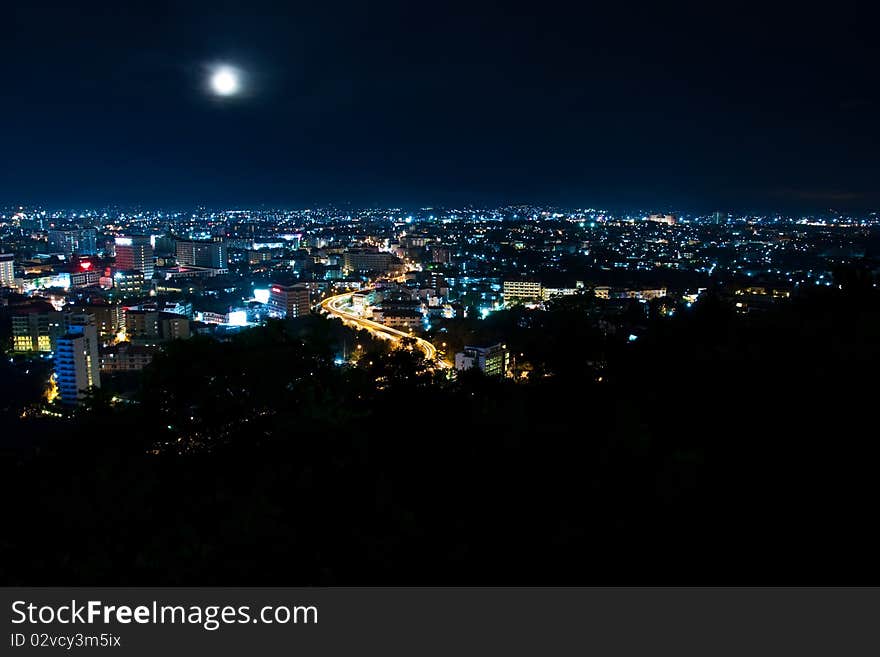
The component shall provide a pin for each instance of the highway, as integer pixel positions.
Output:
(334, 306)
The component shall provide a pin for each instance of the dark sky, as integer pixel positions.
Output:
(711, 105)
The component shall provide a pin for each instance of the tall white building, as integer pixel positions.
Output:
(7, 270)
(77, 363)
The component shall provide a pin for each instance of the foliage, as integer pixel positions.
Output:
(739, 437)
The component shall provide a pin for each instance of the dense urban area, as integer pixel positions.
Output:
(521, 394)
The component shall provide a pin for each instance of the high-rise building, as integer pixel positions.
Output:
(202, 254)
(69, 241)
(63, 241)
(522, 290)
(108, 317)
(135, 253)
(7, 270)
(493, 360)
(88, 242)
(141, 324)
(77, 363)
(289, 300)
(36, 328)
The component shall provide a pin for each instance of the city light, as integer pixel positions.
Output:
(237, 318)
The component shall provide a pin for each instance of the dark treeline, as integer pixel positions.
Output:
(719, 448)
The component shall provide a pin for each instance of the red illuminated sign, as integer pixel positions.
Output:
(85, 266)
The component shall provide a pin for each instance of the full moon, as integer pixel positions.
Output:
(225, 81)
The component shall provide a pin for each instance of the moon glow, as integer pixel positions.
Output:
(225, 81)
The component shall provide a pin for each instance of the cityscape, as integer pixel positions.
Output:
(98, 294)
(236, 334)
(397, 294)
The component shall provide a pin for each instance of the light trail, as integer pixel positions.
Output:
(333, 306)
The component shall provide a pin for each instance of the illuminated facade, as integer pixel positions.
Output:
(522, 291)
(81, 241)
(128, 281)
(108, 317)
(289, 301)
(77, 363)
(363, 260)
(36, 331)
(668, 219)
(126, 357)
(492, 361)
(135, 254)
(399, 319)
(7, 270)
(202, 254)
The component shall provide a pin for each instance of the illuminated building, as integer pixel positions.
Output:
(360, 301)
(128, 281)
(522, 291)
(42, 282)
(77, 364)
(398, 318)
(127, 357)
(85, 275)
(202, 254)
(668, 219)
(7, 270)
(289, 300)
(364, 260)
(150, 327)
(492, 361)
(174, 307)
(81, 241)
(441, 254)
(645, 294)
(189, 271)
(135, 254)
(551, 292)
(258, 257)
(35, 329)
(413, 241)
(107, 317)
(174, 327)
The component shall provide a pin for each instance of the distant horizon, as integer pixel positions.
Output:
(617, 209)
(409, 105)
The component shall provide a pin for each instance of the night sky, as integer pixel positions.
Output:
(709, 106)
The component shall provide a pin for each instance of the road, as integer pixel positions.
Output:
(334, 306)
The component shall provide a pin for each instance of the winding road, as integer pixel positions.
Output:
(336, 306)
